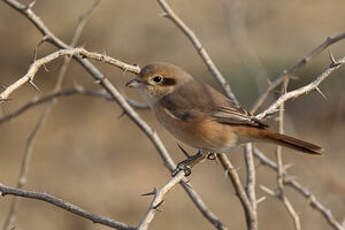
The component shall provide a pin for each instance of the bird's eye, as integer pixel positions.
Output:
(157, 79)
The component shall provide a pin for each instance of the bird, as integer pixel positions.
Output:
(201, 117)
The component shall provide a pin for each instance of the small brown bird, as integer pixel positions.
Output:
(200, 116)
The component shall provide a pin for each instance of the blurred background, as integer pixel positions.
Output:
(87, 155)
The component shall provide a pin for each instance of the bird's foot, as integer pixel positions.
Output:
(212, 156)
(186, 165)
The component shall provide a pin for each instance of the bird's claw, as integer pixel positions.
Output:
(212, 156)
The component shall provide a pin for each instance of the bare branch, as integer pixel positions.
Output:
(98, 76)
(35, 66)
(240, 192)
(280, 177)
(329, 41)
(250, 184)
(158, 199)
(30, 141)
(169, 13)
(289, 181)
(5, 190)
(65, 93)
(303, 90)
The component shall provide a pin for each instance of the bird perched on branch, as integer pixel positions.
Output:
(200, 116)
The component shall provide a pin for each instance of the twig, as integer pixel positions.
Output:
(169, 13)
(240, 192)
(280, 177)
(303, 90)
(65, 93)
(158, 199)
(288, 181)
(5, 190)
(250, 185)
(329, 41)
(30, 141)
(35, 66)
(98, 76)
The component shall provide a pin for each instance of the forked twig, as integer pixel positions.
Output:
(303, 90)
(30, 141)
(285, 74)
(112, 90)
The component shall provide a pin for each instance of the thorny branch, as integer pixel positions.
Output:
(250, 185)
(66, 93)
(106, 84)
(303, 90)
(153, 137)
(329, 41)
(30, 141)
(158, 200)
(5, 190)
(240, 191)
(289, 181)
(80, 52)
(280, 172)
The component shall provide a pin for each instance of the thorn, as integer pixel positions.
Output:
(124, 69)
(31, 4)
(45, 68)
(260, 200)
(156, 207)
(122, 114)
(331, 57)
(183, 150)
(334, 62)
(164, 15)
(35, 86)
(14, 227)
(98, 81)
(154, 192)
(267, 190)
(44, 39)
(187, 182)
(321, 93)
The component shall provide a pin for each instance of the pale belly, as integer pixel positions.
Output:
(207, 135)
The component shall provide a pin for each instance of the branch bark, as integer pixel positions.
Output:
(112, 90)
(303, 90)
(285, 74)
(5, 190)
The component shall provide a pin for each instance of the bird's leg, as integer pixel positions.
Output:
(190, 162)
(211, 156)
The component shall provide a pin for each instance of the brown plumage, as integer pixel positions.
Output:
(200, 116)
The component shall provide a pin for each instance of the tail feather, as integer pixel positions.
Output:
(294, 143)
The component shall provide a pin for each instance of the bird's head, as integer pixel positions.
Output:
(158, 80)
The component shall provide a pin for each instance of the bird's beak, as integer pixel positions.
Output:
(134, 83)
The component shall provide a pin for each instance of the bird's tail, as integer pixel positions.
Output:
(293, 143)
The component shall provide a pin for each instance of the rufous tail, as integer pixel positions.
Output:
(293, 143)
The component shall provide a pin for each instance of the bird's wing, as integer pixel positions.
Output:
(197, 100)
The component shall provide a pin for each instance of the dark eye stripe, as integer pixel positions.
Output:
(168, 81)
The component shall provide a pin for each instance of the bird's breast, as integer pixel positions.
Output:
(200, 132)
